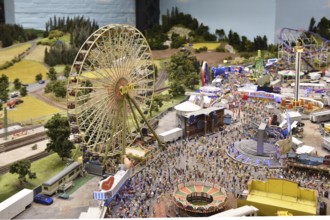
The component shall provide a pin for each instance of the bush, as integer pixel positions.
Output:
(246, 55)
(6, 65)
(34, 147)
(201, 49)
(229, 58)
(220, 49)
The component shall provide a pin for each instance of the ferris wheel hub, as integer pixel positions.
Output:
(122, 87)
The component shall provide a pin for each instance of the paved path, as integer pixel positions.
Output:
(160, 209)
(21, 153)
(167, 122)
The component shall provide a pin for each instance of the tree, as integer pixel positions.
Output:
(183, 67)
(323, 28)
(177, 40)
(49, 87)
(176, 89)
(52, 74)
(156, 103)
(22, 168)
(312, 27)
(59, 133)
(23, 91)
(4, 84)
(17, 84)
(191, 81)
(221, 34)
(55, 34)
(59, 89)
(38, 77)
(67, 70)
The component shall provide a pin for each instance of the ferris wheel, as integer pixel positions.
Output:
(110, 90)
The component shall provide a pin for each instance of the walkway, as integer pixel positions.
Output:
(160, 209)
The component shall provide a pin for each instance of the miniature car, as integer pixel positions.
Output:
(42, 199)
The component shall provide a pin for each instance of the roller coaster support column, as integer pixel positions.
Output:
(298, 50)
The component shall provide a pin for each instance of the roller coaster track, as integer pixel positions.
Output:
(5, 169)
(315, 48)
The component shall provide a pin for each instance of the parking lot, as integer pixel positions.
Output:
(71, 208)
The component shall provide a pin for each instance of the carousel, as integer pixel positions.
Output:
(199, 199)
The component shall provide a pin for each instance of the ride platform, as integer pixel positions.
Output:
(245, 151)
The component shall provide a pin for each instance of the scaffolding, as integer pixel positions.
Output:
(316, 55)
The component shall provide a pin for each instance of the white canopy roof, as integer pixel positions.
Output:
(289, 73)
(187, 107)
(304, 149)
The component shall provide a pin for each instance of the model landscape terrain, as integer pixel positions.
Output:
(172, 121)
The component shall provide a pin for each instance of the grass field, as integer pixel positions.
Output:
(31, 108)
(59, 69)
(45, 169)
(65, 38)
(7, 54)
(209, 45)
(37, 54)
(25, 70)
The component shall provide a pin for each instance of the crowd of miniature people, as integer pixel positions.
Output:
(204, 159)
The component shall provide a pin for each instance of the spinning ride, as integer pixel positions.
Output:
(110, 91)
(199, 198)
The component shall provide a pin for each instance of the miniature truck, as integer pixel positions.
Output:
(16, 204)
(171, 135)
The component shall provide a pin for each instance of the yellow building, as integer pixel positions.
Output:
(276, 195)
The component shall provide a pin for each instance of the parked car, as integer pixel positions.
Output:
(41, 81)
(14, 94)
(42, 199)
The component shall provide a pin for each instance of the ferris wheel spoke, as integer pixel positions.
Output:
(91, 115)
(93, 96)
(96, 109)
(98, 118)
(93, 80)
(91, 121)
(103, 65)
(139, 77)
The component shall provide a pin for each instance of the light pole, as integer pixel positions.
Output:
(298, 49)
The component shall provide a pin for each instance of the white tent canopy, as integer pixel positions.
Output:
(289, 73)
(187, 107)
(305, 149)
